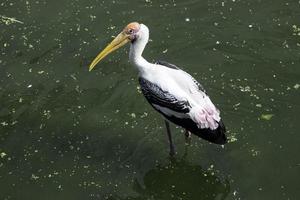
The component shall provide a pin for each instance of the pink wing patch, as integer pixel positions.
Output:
(206, 116)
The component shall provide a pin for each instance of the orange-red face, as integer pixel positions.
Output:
(131, 30)
(129, 34)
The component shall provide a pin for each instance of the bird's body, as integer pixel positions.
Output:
(171, 91)
(180, 99)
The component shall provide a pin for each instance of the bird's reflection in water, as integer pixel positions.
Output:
(180, 179)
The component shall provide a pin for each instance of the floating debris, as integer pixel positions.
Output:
(234, 193)
(144, 115)
(236, 105)
(266, 116)
(254, 152)
(34, 177)
(47, 114)
(73, 77)
(297, 86)
(296, 30)
(4, 123)
(133, 115)
(3, 154)
(138, 88)
(245, 89)
(9, 20)
(92, 17)
(211, 167)
(232, 137)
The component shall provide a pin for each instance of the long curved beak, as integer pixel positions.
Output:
(118, 42)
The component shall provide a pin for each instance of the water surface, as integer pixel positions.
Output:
(66, 133)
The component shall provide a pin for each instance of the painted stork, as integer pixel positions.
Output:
(171, 91)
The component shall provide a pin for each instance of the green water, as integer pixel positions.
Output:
(66, 133)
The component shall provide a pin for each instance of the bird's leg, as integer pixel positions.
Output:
(187, 137)
(172, 148)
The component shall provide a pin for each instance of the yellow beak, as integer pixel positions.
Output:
(118, 42)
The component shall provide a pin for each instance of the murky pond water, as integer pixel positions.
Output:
(66, 133)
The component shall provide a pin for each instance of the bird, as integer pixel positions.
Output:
(171, 91)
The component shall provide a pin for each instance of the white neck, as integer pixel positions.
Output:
(137, 48)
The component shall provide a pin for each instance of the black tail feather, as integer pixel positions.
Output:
(216, 136)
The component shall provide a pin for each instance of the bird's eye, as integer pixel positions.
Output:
(130, 30)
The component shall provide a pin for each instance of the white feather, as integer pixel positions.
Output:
(177, 82)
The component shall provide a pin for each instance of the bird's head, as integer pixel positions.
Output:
(129, 34)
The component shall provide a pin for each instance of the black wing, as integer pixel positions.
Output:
(172, 66)
(155, 95)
